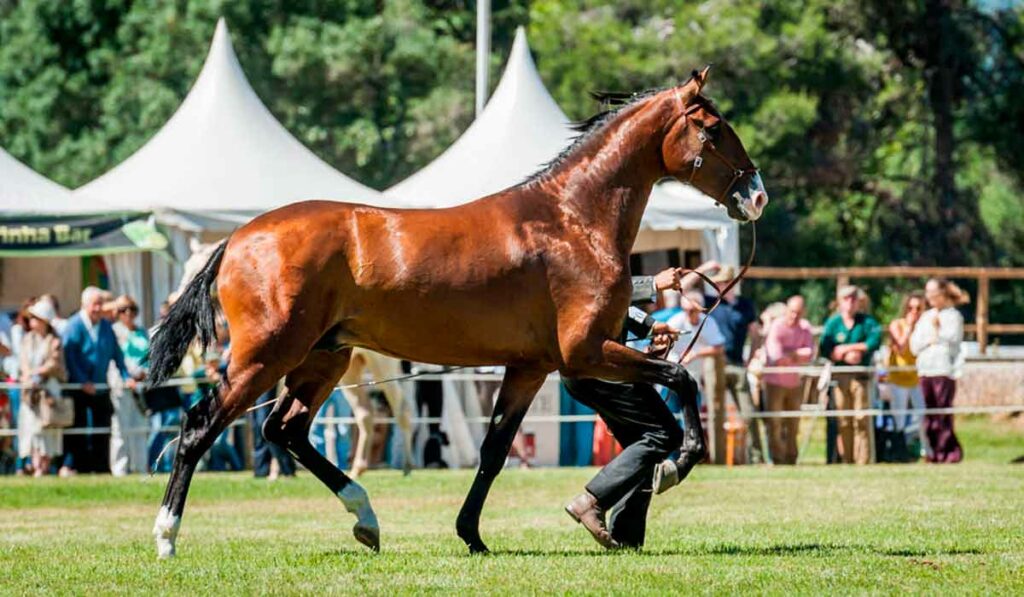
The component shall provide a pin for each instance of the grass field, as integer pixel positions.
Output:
(809, 529)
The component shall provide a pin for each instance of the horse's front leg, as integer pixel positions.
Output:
(514, 399)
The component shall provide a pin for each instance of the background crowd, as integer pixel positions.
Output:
(88, 372)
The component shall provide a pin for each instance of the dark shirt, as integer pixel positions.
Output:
(733, 321)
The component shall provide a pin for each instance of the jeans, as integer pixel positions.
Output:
(336, 406)
(158, 439)
(262, 450)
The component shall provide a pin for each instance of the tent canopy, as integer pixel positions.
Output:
(222, 151)
(520, 130)
(25, 191)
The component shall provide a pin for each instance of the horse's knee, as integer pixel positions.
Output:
(199, 427)
(683, 383)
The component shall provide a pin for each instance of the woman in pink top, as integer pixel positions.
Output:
(789, 342)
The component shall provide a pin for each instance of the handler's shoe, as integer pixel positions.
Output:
(666, 476)
(584, 510)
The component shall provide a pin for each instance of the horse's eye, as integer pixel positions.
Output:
(714, 130)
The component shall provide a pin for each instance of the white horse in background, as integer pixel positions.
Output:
(363, 361)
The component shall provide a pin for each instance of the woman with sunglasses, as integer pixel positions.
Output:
(902, 374)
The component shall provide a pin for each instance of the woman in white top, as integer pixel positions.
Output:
(936, 344)
(41, 371)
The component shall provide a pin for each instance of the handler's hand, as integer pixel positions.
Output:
(662, 339)
(89, 388)
(668, 279)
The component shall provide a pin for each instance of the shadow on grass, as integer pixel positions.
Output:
(743, 550)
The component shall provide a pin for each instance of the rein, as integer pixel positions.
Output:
(720, 290)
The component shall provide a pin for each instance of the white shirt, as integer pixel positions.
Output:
(92, 328)
(937, 349)
(711, 335)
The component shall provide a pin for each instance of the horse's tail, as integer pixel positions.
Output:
(190, 316)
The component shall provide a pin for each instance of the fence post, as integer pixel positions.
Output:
(981, 315)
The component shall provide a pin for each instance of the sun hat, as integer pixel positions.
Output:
(43, 310)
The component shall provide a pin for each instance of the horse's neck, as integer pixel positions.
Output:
(604, 186)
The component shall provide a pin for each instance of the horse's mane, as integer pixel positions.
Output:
(612, 103)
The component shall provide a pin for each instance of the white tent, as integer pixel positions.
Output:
(220, 160)
(25, 191)
(222, 157)
(520, 130)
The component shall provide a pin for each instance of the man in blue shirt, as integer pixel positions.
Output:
(89, 347)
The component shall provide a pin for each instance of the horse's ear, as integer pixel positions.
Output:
(701, 78)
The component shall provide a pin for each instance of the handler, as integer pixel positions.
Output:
(643, 425)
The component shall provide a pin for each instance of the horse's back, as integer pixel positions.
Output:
(397, 280)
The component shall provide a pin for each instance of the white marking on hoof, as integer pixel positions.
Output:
(356, 501)
(166, 532)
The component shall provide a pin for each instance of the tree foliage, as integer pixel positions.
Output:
(887, 130)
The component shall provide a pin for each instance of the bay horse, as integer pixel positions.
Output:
(535, 278)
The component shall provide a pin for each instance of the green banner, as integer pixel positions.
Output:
(90, 234)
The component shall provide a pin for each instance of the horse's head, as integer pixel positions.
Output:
(703, 150)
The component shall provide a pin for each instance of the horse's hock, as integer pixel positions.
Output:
(991, 383)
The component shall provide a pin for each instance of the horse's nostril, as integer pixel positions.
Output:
(760, 200)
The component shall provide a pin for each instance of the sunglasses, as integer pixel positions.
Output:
(128, 310)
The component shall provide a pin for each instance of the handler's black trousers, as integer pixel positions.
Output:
(648, 432)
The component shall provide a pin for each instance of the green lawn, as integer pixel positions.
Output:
(809, 529)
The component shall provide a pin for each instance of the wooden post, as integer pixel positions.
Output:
(981, 315)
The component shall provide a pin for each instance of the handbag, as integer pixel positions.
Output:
(55, 411)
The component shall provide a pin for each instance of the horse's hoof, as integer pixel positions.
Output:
(356, 501)
(368, 536)
(478, 548)
(164, 550)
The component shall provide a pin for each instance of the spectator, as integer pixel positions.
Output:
(850, 338)
(705, 362)
(903, 385)
(89, 347)
(127, 446)
(58, 323)
(41, 372)
(789, 342)
(12, 362)
(671, 301)
(736, 317)
(936, 343)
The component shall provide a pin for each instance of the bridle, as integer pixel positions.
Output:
(720, 290)
(707, 145)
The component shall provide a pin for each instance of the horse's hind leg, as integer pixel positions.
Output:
(307, 388)
(199, 429)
